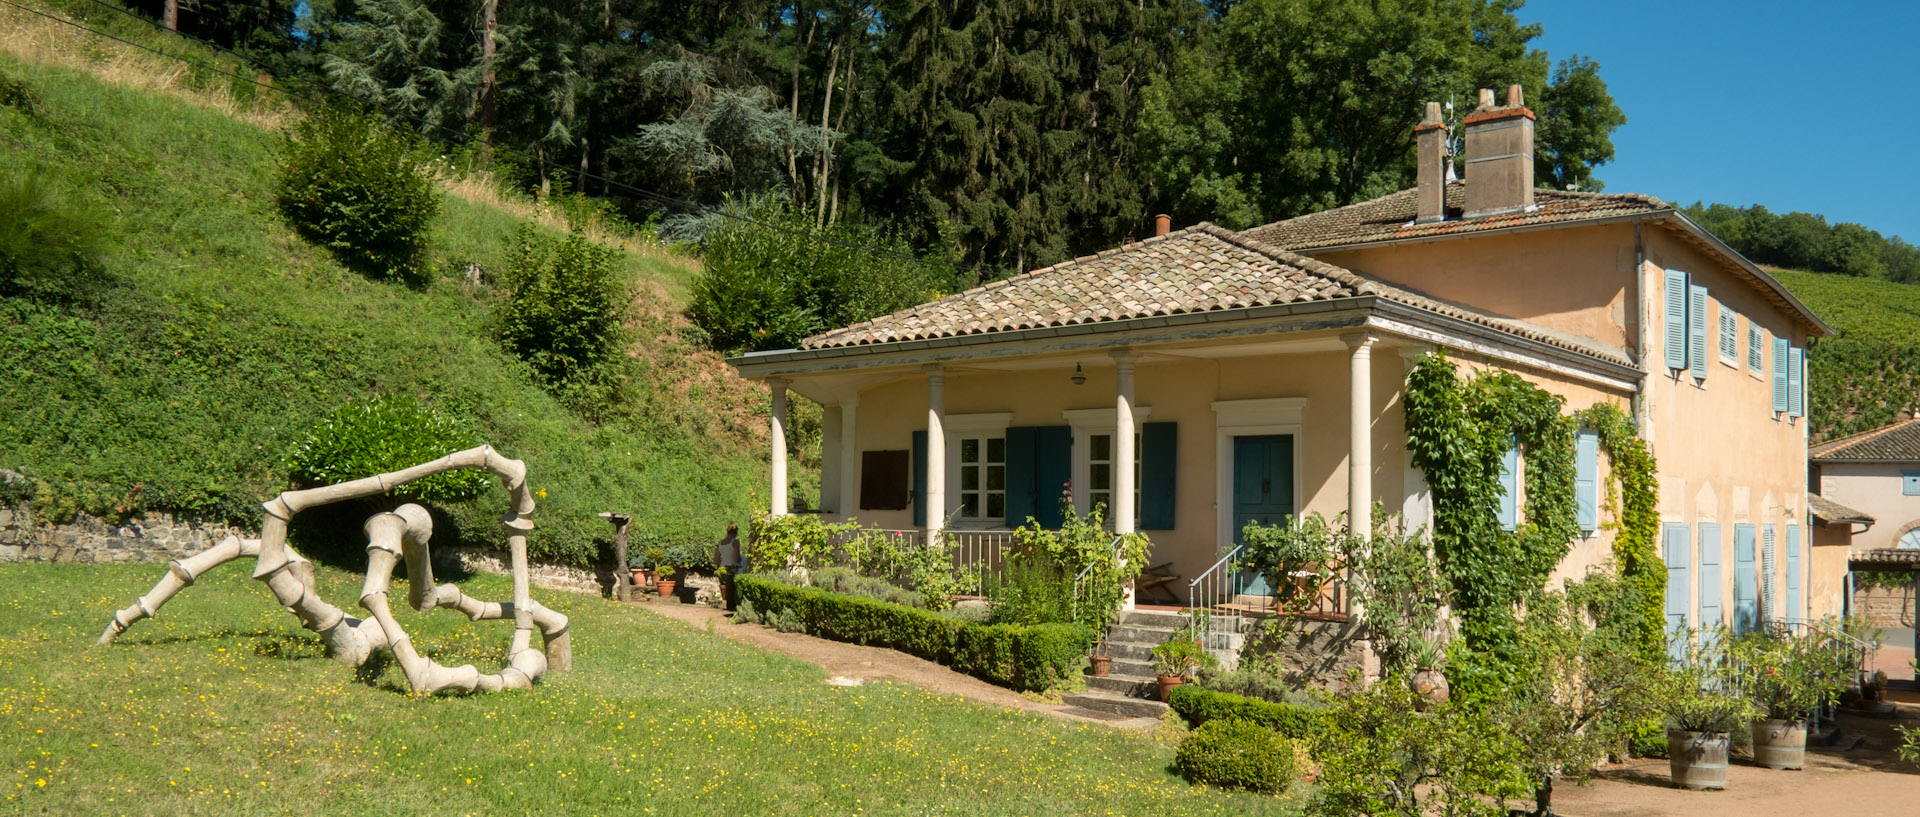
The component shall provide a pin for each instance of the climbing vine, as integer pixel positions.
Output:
(1634, 495)
(1458, 430)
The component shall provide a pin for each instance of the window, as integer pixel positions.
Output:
(1729, 337)
(1697, 331)
(1910, 483)
(1754, 341)
(1676, 327)
(1100, 472)
(1509, 488)
(1586, 481)
(983, 478)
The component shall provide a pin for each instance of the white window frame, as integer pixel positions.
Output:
(972, 426)
(1086, 424)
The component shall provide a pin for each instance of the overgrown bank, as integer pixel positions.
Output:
(217, 338)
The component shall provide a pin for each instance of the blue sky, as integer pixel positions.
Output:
(1797, 106)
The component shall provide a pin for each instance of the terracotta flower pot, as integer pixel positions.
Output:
(665, 587)
(1429, 688)
(1697, 760)
(638, 576)
(1167, 683)
(1780, 744)
(1099, 665)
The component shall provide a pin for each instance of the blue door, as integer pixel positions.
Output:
(1262, 489)
(1712, 593)
(1746, 586)
(1679, 598)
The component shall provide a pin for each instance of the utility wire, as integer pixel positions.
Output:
(980, 273)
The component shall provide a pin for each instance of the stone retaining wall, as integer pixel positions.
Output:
(160, 538)
(1885, 607)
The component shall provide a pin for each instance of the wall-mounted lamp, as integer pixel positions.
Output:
(1079, 377)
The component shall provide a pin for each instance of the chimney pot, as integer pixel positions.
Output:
(1432, 116)
(1162, 224)
(1514, 96)
(1486, 99)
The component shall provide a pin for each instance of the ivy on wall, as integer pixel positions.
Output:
(1634, 495)
(1458, 430)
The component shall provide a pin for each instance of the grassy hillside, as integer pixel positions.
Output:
(1869, 374)
(224, 337)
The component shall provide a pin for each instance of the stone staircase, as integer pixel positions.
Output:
(1129, 689)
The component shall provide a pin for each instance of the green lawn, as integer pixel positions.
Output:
(223, 705)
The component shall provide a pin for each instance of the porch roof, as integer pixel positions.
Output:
(1197, 270)
(1833, 512)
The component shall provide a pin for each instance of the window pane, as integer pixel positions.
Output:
(970, 478)
(1101, 498)
(970, 505)
(996, 477)
(1100, 476)
(996, 506)
(1100, 447)
(969, 450)
(996, 449)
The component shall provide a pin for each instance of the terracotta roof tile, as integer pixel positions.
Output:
(1831, 511)
(1391, 217)
(1897, 442)
(1201, 269)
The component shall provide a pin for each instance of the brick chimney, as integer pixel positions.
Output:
(1499, 156)
(1430, 149)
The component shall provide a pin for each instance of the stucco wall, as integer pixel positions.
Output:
(1874, 490)
(1724, 455)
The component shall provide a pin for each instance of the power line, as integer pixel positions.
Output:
(464, 136)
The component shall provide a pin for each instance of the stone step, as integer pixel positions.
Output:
(1137, 686)
(1133, 634)
(1140, 667)
(1153, 618)
(1126, 651)
(1117, 704)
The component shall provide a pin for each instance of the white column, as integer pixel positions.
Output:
(830, 445)
(849, 460)
(1360, 433)
(778, 496)
(1123, 453)
(1417, 508)
(936, 476)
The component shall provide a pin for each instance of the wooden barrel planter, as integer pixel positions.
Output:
(1780, 744)
(1698, 760)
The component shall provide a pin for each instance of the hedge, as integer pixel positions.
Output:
(1237, 754)
(1036, 657)
(1199, 706)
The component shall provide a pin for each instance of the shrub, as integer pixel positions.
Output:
(1236, 754)
(1029, 593)
(17, 94)
(1202, 706)
(1082, 546)
(383, 434)
(50, 240)
(561, 311)
(1252, 682)
(361, 189)
(1036, 658)
(791, 540)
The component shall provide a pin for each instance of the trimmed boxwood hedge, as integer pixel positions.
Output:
(1237, 754)
(1036, 657)
(1200, 706)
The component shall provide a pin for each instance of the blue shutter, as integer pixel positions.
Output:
(920, 479)
(1509, 496)
(1746, 604)
(1676, 319)
(1697, 330)
(1675, 536)
(1712, 592)
(1796, 385)
(1020, 488)
(1052, 470)
(1754, 342)
(1586, 480)
(1793, 573)
(1780, 375)
(1767, 567)
(1910, 483)
(1159, 460)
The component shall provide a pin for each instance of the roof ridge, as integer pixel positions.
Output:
(1361, 284)
(1857, 438)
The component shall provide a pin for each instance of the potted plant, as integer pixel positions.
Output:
(1875, 686)
(664, 580)
(637, 571)
(1702, 706)
(1100, 663)
(1176, 659)
(1787, 679)
(1428, 681)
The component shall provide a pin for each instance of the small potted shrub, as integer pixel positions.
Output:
(1428, 681)
(1702, 707)
(664, 572)
(1178, 658)
(1787, 678)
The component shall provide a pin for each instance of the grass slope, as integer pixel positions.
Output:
(1869, 374)
(225, 337)
(223, 706)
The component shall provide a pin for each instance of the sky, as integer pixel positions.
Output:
(1796, 106)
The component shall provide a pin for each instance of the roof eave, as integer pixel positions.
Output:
(1819, 326)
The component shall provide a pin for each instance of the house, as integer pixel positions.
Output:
(1204, 377)
(1877, 472)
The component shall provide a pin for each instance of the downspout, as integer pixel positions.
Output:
(1642, 413)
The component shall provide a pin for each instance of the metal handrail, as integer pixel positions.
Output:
(1204, 593)
(1867, 656)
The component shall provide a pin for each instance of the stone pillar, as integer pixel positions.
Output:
(936, 476)
(849, 460)
(778, 496)
(1360, 432)
(1123, 453)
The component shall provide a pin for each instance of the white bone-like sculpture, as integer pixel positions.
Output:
(391, 536)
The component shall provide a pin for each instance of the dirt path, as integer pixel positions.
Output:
(865, 663)
(1866, 782)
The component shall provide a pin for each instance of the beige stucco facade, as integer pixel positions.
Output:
(1876, 490)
